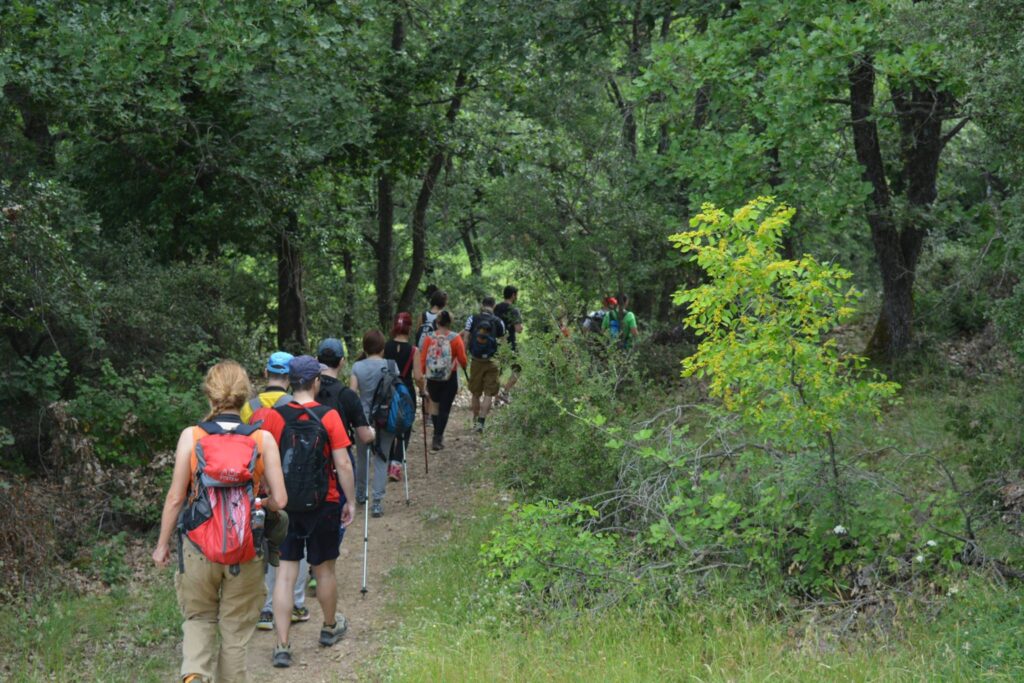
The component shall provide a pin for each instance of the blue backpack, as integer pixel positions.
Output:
(392, 408)
(483, 337)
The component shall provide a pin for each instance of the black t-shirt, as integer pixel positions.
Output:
(400, 352)
(338, 396)
(509, 317)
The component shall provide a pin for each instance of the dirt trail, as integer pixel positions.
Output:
(403, 531)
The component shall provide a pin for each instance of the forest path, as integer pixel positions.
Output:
(402, 533)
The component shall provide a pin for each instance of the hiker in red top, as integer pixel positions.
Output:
(311, 438)
(219, 465)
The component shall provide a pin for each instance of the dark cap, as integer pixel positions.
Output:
(301, 369)
(331, 347)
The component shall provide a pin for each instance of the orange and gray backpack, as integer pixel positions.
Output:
(227, 466)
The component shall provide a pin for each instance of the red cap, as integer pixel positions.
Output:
(612, 301)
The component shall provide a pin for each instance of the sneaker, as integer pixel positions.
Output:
(377, 510)
(479, 426)
(395, 471)
(300, 614)
(266, 620)
(329, 635)
(282, 657)
(437, 444)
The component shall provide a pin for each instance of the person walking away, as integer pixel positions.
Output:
(620, 323)
(337, 395)
(313, 443)
(438, 302)
(481, 335)
(406, 357)
(442, 355)
(218, 593)
(253, 412)
(512, 319)
(366, 375)
(276, 391)
(595, 319)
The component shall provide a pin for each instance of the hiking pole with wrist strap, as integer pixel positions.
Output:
(426, 465)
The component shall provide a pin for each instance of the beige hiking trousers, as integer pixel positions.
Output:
(211, 599)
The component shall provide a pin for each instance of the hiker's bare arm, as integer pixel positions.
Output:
(272, 473)
(519, 328)
(175, 499)
(353, 383)
(343, 466)
(365, 434)
(417, 372)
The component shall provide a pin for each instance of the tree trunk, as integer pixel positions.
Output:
(348, 324)
(419, 214)
(384, 248)
(898, 243)
(291, 306)
(34, 125)
(467, 230)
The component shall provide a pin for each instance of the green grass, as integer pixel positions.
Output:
(125, 635)
(458, 627)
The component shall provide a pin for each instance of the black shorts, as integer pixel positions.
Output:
(317, 534)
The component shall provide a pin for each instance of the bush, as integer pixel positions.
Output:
(547, 553)
(543, 443)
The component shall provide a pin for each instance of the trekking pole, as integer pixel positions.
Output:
(366, 516)
(426, 465)
(405, 470)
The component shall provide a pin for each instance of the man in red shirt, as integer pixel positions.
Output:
(316, 533)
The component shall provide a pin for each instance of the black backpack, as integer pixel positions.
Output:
(303, 443)
(483, 336)
(425, 328)
(503, 311)
(383, 395)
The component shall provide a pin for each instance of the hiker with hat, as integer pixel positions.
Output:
(321, 490)
(595, 319)
(334, 393)
(276, 374)
(219, 466)
(620, 323)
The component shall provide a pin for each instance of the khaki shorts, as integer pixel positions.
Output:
(483, 377)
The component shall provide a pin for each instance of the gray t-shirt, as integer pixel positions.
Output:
(368, 373)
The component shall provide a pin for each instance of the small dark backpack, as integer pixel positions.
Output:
(303, 443)
(483, 337)
(384, 395)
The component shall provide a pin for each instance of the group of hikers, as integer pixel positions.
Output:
(264, 487)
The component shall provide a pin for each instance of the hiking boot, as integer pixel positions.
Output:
(329, 635)
(395, 471)
(437, 444)
(300, 614)
(266, 620)
(360, 499)
(282, 657)
(377, 510)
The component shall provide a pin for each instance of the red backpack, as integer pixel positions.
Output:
(226, 471)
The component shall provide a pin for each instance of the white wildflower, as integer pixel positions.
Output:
(930, 543)
(839, 530)
(919, 558)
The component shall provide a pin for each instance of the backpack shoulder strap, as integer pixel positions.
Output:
(197, 433)
(255, 403)
(408, 363)
(283, 400)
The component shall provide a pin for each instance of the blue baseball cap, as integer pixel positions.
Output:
(331, 347)
(278, 363)
(301, 369)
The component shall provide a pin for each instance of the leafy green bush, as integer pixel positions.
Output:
(132, 415)
(547, 553)
(543, 444)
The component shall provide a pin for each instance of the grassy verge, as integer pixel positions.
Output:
(457, 628)
(129, 634)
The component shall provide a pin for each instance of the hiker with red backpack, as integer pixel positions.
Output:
(384, 396)
(219, 467)
(318, 478)
(481, 335)
(442, 355)
(405, 355)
